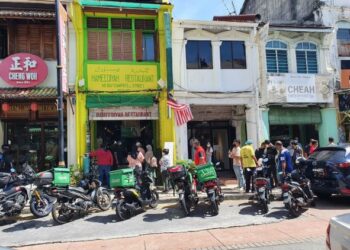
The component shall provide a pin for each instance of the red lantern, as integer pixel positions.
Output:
(34, 106)
(5, 107)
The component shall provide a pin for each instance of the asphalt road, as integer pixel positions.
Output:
(238, 226)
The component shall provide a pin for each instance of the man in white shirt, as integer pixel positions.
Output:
(235, 155)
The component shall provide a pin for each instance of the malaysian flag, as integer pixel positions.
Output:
(182, 112)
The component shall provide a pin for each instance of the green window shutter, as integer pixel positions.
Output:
(291, 116)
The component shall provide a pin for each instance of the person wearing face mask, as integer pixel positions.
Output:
(199, 154)
(209, 153)
(235, 155)
(164, 165)
(105, 162)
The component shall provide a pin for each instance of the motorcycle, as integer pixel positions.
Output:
(296, 191)
(79, 200)
(214, 195)
(186, 186)
(130, 200)
(17, 189)
(262, 186)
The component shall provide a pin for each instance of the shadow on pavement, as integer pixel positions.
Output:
(28, 225)
(333, 203)
(280, 214)
(104, 219)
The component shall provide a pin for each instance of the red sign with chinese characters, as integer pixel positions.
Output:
(23, 70)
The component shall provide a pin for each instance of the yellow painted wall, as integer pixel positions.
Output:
(165, 127)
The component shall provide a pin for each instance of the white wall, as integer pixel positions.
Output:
(340, 3)
(216, 79)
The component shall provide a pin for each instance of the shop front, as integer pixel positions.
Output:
(28, 110)
(123, 76)
(301, 106)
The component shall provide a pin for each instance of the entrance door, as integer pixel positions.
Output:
(220, 145)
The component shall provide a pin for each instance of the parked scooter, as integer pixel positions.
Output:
(262, 186)
(78, 200)
(17, 189)
(186, 187)
(296, 190)
(130, 200)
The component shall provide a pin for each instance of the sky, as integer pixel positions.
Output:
(203, 9)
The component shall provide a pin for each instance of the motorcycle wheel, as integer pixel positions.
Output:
(40, 208)
(214, 208)
(185, 205)
(295, 210)
(61, 214)
(154, 199)
(123, 213)
(265, 206)
(104, 201)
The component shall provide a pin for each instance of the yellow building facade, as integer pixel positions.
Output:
(124, 74)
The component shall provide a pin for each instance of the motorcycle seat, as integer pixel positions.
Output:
(78, 189)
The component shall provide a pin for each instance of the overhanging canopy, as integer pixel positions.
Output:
(292, 116)
(105, 101)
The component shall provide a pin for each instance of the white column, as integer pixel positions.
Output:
(71, 133)
(217, 65)
(292, 59)
(252, 125)
(181, 142)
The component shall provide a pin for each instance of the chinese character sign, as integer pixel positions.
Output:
(23, 70)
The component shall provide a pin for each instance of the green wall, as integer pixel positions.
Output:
(328, 127)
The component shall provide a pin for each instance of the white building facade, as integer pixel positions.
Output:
(216, 72)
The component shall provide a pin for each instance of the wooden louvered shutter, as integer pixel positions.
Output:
(127, 46)
(49, 42)
(97, 45)
(21, 38)
(34, 40)
(117, 45)
(139, 45)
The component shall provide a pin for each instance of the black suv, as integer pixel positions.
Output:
(328, 168)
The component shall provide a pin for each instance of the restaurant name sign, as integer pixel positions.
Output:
(110, 77)
(124, 113)
(23, 70)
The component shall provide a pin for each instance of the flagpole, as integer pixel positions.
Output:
(61, 162)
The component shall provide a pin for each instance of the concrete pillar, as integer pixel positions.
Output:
(216, 61)
(71, 132)
(252, 128)
(265, 124)
(181, 142)
(328, 127)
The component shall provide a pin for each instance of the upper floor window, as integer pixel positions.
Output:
(276, 57)
(121, 39)
(343, 37)
(199, 55)
(306, 54)
(232, 54)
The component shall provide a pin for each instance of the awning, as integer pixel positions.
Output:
(35, 93)
(105, 101)
(293, 116)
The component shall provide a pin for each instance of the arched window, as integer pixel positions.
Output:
(276, 57)
(306, 54)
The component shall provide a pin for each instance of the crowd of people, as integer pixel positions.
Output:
(280, 160)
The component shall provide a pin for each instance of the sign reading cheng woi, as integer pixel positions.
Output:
(124, 113)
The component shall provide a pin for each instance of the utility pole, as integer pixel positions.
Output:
(60, 104)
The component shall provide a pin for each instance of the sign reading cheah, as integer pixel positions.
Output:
(124, 113)
(23, 70)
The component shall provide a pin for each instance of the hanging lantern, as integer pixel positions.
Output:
(5, 107)
(34, 106)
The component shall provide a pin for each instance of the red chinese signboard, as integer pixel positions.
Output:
(23, 70)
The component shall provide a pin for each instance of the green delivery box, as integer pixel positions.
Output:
(206, 173)
(61, 177)
(122, 178)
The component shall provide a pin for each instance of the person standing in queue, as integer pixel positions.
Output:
(164, 163)
(271, 154)
(235, 155)
(249, 163)
(284, 160)
(199, 154)
(104, 162)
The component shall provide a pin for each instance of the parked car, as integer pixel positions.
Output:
(328, 168)
(338, 233)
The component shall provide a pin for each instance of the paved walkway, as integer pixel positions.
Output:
(310, 227)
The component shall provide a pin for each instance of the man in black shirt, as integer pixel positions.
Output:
(271, 154)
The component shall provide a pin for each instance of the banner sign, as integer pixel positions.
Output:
(124, 113)
(23, 70)
(63, 41)
(300, 88)
(110, 77)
